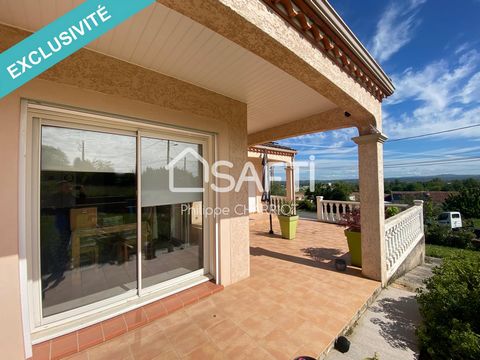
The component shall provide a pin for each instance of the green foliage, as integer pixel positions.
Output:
(467, 202)
(438, 251)
(443, 235)
(287, 209)
(436, 184)
(431, 211)
(336, 191)
(278, 188)
(391, 211)
(307, 205)
(450, 305)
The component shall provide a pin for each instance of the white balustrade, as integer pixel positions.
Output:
(402, 233)
(277, 202)
(332, 211)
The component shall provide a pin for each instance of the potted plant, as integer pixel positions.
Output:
(288, 218)
(354, 237)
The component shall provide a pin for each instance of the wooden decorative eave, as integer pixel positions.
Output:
(306, 20)
(271, 151)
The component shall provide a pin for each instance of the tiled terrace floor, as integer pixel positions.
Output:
(294, 303)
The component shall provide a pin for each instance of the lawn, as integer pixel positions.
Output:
(476, 223)
(438, 251)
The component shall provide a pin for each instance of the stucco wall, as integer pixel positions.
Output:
(93, 81)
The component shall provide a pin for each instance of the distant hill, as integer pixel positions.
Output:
(444, 177)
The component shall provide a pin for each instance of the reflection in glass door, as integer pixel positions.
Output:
(94, 246)
(88, 222)
(172, 226)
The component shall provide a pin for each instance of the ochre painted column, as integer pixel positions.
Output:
(372, 208)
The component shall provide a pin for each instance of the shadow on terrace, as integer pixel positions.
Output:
(294, 303)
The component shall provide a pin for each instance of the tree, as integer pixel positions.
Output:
(277, 189)
(54, 158)
(337, 191)
(467, 202)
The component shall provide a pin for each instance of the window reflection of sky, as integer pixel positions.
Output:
(119, 151)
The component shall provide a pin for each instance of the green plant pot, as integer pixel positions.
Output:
(288, 225)
(354, 240)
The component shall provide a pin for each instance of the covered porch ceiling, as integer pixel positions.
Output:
(163, 40)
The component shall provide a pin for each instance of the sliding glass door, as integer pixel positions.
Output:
(88, 223)
(119, 213)
(172, 241)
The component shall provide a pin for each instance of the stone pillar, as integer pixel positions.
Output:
(372, 205)
(290, 182)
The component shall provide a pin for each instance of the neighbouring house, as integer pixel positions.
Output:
(277, 155)
(90, 228)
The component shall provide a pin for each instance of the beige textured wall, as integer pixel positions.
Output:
(92, 81)
(11, 334)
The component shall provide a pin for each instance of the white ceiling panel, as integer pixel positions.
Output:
(165, 41)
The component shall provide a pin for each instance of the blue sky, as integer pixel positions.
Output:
(431, 50)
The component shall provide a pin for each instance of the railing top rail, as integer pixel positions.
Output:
(399, 217)
(341, 202)
(403, 206)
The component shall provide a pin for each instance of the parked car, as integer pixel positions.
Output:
(450, 218)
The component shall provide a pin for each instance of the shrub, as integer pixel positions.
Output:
(467, 202)
(391, 211)
(307, 205)
(351, 220)
(450, 307)
(442, 235)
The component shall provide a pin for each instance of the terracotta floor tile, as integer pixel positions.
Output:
(170, 355)
(90, 336)
(224, 333)
(309, 333)
(79, 356)
(172, 303)
(41, 351)
(187, 339)
(135, 318)
(155, 310)
(114, 327)
(117, 349)
(294, 303)
(237, 347)
(188, 297)
(143, 332)
(280, 344)
(257, 326)
(150, 347)
(64, 346)
(208, 318)
(205, 351)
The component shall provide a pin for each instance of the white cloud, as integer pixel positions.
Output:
(471, 92)
(395, 28)
(444, 95)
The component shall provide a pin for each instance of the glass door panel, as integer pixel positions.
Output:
(88, 222)
(172, 225)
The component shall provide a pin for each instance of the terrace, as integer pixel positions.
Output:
(294, 303)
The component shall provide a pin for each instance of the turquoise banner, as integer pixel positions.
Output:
(56, 41)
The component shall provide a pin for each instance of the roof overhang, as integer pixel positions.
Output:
(321, 25)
